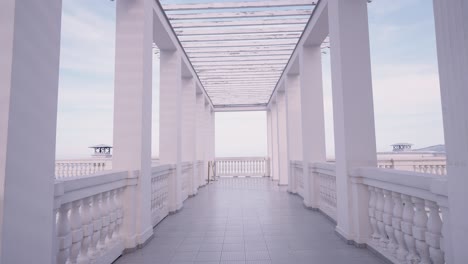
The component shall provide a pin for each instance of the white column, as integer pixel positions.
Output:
(283, 150)
(170, 121)
(189, 129)
(353, 112)
(313, 123)
(274, 143)
(132, 112)
(206, 136)
(29, 68)
(451, 21)
(269, 142)
(200, 137)
(294, 125)
(212, 146)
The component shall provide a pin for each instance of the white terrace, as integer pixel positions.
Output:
(226, 56)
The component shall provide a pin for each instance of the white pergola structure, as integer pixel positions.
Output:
(258, 55)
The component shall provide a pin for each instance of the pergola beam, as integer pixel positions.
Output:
(235, 5)
(245, 14)
(239, 23)
(238, 54)
(242, 36)
(241, 30)
(191, 50)
(234, 44)
(242, 58)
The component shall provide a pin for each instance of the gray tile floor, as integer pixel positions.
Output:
(246, 220)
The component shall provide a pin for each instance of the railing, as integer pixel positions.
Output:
(72, 168)
(160, 192)
(89, 216)
(82, 167)
(407, 212)
(251, 166)
(298, 177)
(326, 177)
(187, 173)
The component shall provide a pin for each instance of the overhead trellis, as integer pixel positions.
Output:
(239, 49)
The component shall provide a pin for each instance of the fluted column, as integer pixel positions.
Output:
(451, 24)
(353, 112)
(313, 121)
(29, 70)
(294, 119)
(188, 128)
(283, 150)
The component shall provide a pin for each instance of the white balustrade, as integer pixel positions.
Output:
(406, 212)
(249, 166)
(89, 216)
(82, 167)
(297, 174)
(160, 192)
(325, 174)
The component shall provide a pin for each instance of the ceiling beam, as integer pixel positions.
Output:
(234, 5)
(245, 14)
(242, 58)
(240, 30)
(192, 50)
(258, 63)
(238, 23)
(231, 37)
(236, 44)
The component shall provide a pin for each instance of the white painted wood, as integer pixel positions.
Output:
(238, 30)
(238, 54)
(240, 73)
(353, 112)
(212, 15)
(235, 59)
(132, 108)
(239, 63)
(240, 36)
(451, 20)
(238, 22)
(235, 5)
(29, 73)
(212, 44)
(191, 50)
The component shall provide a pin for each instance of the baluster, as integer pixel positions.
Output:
(373, 222)
(112, 214)
(401, 250)
(87, 225)
(419, 230)
(434, 233)
(76, 231)
(407, 228)
(63, 234)
(105, 220)
(97, 225)
(387, 219)
(119, 211)
(379, 217)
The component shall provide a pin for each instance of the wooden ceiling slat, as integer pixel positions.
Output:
(249, 36)
(241, 43)
(242, 30)
(234, 5)
(239, 23)
(244, 14)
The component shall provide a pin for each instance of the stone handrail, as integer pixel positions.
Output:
(326, 178)
(407, 212)
(80, 167)
(89, 215)
(298, 177)
(160, 176)
(244, 166)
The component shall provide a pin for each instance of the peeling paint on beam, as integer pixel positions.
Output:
(246, 14)
(233, 5)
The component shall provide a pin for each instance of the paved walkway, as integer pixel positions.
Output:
(246, 220)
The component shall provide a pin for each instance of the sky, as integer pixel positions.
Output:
(404, 69)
